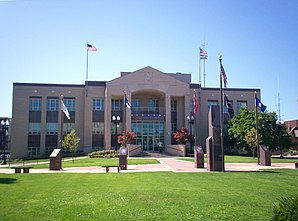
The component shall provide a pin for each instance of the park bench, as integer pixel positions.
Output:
(19, 169)
(108, 167)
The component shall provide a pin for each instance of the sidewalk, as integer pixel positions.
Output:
(166, 164)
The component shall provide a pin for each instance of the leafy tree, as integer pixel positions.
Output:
(251, 139)
(130, 138)
(270, 133)
(182, 136)
(71, 142)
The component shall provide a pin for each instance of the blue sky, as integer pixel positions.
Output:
(45, 42)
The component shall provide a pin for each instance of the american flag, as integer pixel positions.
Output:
(203, 54)
(223, 73)
(195, 104)
(91, 47)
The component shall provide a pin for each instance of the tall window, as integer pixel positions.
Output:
(34, 128)
(136, 104)
(98, 104)
(173, 106)
(117, 105)
(35, 104)
(241, 104)
(52, 128)
(52, 104)
(98, 128)
(70, 103)
(153, 104)
(212, 103)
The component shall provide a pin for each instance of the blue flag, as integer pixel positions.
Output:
(127, 104)
(260, 105)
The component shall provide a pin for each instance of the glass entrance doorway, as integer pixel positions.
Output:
(150, 135)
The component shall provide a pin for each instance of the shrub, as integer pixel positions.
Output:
(286, 209)
(182, 136)
(103, 153)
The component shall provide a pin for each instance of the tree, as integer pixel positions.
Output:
(251, 139)
(130, 138)
(270, 133)
(71, 142)
(182, 136)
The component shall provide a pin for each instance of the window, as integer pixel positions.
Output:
(52, 104)
(70, 104)
(212, 103)
(136, 104)
(98, 128)
(35, 104)
(117, 105)
(68, 127)
(241, 104)
(98, 104)
(34, 128)
(52, 128)
(33, 152)
(173, 127)
(174, 106)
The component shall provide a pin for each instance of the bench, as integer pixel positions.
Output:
(108, 168)
(19, 169)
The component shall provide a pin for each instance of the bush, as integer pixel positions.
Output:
(104, 153)
(286, 209)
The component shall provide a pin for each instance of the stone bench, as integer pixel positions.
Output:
(108, 168)
(19, 169)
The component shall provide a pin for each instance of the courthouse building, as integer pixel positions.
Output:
(161, 104)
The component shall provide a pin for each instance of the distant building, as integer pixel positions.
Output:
(161, 103)
(292, 126)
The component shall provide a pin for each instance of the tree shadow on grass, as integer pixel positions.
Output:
(7, 180)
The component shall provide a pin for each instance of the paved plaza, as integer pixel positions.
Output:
(166, 165)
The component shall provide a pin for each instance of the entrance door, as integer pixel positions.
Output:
(148, 143)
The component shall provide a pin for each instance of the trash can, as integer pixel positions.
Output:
(123, 153)
(199, 157)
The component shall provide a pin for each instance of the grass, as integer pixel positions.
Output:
(244, 159)
(84, 162)
(145, 196)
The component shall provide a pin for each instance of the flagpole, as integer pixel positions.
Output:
(204, 72)
(257, 130)
(61, 123)
(195, 119)
(86, 82)
(200, 67)
(124, 120)
(221, 116)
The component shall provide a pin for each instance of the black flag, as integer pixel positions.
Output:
(228, 106)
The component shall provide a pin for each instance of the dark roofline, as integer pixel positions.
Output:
(230, 89)
(47, 85)
(90, 83)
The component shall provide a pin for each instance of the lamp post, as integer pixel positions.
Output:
(116, 121)
(190, 120)
(4, 128)
(280, 124)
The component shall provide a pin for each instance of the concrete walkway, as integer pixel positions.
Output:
(166, 164)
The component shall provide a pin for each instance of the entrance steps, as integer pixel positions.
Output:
(154, 154)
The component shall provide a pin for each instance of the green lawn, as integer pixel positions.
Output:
(145, 196)
(83, 162)
(244, 159)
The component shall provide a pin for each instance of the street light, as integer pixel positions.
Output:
(280, 124)
(190, 120)
(116, 121)
(4, 127)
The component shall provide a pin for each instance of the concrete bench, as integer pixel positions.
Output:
(108, 168)
(19, 169)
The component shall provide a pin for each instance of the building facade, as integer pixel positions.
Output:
(161, 104)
